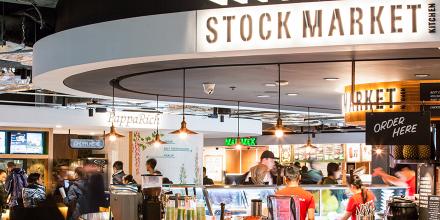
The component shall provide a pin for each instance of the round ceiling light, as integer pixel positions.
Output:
(263, 96)
(270, 84)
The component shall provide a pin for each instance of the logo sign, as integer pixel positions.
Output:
(312, 24)
(371, 99)
(250, 141)
(83, 144)
(431, 92)
(398, 128)
(128, 120)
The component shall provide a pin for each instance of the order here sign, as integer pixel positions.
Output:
(398, 128)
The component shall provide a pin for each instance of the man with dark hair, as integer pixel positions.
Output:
(333, 174)
(306, 200)
(151, 166)
(34, 193)
(15, 182)
(118, 172)
(405, 177)
(206, 179)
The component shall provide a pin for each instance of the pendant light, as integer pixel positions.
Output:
(157, 142)
(309, 144)
(279, 129)
(238, 145)
(113, 135)
(183, 132)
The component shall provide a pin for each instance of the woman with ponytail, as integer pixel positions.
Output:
(360, 196)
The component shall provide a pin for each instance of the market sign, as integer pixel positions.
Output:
(250, 141)
(398, 128)
(371, 99)
(89, 144)
(313, 24)
(431, 92)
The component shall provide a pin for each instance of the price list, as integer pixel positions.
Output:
(434, 208)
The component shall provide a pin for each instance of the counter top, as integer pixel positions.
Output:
(315, 186)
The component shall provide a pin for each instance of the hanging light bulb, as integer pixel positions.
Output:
(238, 144)
(183, 132)
(279, 129)
(112, 137)
(113, 134)
(157, 142)
(309, 146)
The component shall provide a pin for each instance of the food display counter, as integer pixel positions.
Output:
(330, 201)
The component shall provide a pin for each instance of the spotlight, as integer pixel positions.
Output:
(91, 112)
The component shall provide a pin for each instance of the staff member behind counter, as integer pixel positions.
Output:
(261, 173)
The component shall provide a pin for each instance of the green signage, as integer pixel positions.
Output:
(249, 141)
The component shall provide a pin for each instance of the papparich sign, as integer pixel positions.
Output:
(398, 128)
(329, 23)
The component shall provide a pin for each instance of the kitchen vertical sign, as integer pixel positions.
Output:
(398, 128)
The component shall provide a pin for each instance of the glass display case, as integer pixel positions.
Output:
(330, 201)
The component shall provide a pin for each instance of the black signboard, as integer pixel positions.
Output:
(89, 144)
(398, 128)
(431, 92)
(434, 208)
(425, 187)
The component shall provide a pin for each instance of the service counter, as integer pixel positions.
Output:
(330, 201)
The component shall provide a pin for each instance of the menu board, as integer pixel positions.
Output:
(434, 208)
(26, 143)
(322, 152)
(425, 180)
(430, 92)
(353, 153)
(2, 142)
(366, 153)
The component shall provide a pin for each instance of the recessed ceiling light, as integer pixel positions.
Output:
(292, 94)
(270, 84)
(263, 96)
(92, 133)
(331, 78)
(58, 126)
(282, 82)
(422, 75)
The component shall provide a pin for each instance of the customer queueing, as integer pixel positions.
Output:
(151, 167)
(360, 196)
(76, 198)
(118, 172)
(306, 200)
(129, 180)
(34, 193)
(260, 174)
(333, 174)
(3, 193)
(15, 182)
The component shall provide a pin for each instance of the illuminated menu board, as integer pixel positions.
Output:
(2, 142)
(26, 143)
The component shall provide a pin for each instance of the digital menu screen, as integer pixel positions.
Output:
(2, 142)
(26, 143)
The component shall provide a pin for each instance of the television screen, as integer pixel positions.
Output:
(26, 143)
(2, 142)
